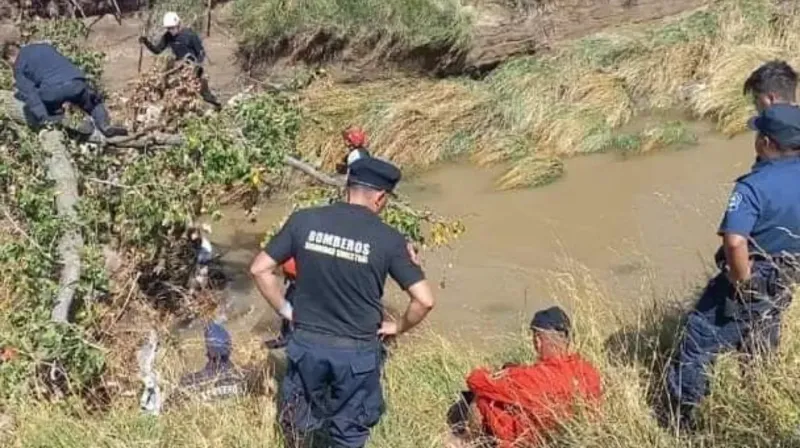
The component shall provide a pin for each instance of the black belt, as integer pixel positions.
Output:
(335, 341)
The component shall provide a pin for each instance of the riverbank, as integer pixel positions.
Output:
(530, 114)
(425, 373)
(533, 112)
(624, 218)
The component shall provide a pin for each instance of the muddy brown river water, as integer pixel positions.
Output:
(643, 227)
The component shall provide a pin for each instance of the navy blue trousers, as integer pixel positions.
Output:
(77, 92)
(331, 387)
(725, 319)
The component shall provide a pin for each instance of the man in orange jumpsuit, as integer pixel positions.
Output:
(520, 404)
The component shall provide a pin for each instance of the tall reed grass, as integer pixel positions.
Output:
(574, 100)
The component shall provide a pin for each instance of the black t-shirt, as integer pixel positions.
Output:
(343, 254)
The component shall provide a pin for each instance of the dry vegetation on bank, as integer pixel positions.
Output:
(426, 372)
(534, 111)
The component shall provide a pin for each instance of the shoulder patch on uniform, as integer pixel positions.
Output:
(734, 201)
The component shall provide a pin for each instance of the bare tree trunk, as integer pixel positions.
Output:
(61, 169)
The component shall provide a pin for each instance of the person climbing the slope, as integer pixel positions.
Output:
(185, 45)
(355, 141)
(523, 404)
(45, 80)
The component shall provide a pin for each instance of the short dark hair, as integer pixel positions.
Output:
(362, 188)
(776, 77)
(8, 49)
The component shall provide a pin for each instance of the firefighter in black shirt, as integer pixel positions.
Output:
(185, 44)
(343, 253)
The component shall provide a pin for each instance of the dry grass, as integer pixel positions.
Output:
(425, 373)
(408, 121)
(571, 101)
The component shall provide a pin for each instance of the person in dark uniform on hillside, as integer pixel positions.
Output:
(185, 44)
(45, 80)
(741, 307)
(344, 253)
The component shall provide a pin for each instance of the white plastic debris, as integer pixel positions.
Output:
(150, 401)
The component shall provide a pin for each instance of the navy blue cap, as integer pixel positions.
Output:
(553, 319)
(218, 341)
(374, 173)
(779, 122)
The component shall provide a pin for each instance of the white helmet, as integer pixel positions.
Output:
(171, 19)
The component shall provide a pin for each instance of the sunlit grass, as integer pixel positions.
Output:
(574, 100)
(425, 373)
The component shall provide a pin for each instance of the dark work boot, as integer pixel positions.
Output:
(687, 418)
(114, 131)
(208, 97)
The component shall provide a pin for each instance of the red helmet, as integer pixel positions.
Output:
(290, 269)
(355, 137)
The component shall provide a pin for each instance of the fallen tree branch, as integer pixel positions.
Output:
(138, 140)
(61, 169)
(313, 172)
(145, 138)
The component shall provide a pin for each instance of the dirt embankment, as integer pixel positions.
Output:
(500, 32)
(67, 8)
(73, 8)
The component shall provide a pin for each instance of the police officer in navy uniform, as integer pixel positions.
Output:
(344, 253)
(741, 307)
(774, 82)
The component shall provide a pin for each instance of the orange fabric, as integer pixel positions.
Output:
(521, 403)
(290, 269)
